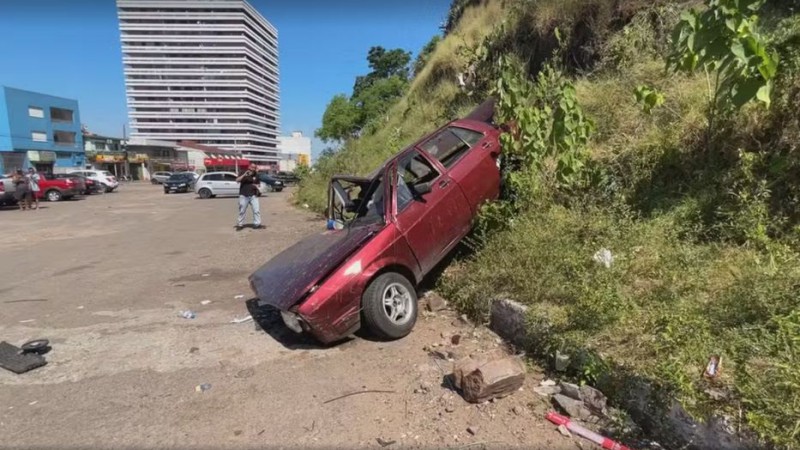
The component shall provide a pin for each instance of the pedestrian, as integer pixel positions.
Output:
(248, 195)
(22, 191)
(33, 183)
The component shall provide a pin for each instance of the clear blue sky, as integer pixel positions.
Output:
(71, 48)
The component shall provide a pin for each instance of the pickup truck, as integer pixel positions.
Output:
(7, 190)
(54, 189)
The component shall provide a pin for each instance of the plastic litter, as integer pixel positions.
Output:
(713, 367)
(239, 297)
(202, 387)
(205, 302)
(604, 257)
(188, 314)
(242, 320)
(598, 439)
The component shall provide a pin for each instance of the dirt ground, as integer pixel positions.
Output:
(104, 278)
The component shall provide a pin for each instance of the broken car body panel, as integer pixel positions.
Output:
(405, 217)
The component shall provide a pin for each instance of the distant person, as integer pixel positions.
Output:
(33, 183)
(248, 195)
(23, 191)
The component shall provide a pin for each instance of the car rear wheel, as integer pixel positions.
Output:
(205, 193)
(390, 306)
(53, 195)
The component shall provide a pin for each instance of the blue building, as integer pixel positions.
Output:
(38, 130)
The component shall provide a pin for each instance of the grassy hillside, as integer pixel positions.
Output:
(702, 221)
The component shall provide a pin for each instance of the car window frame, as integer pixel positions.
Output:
(450, 163)
(427, 159)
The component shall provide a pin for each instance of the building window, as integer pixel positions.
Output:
(61, 115)
(37, 112)
(38, 136)
(64, 137)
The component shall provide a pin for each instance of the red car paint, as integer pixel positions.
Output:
(322, 278)
(64, 186)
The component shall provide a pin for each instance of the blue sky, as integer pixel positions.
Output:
(71, 48)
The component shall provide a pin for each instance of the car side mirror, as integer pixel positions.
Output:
(422, 188)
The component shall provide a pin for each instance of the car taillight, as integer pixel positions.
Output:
(2, 187)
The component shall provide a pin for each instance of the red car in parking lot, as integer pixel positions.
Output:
(389, 230)
(54, 189)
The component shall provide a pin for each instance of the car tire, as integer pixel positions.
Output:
(166, 191)
(204, 193)
(153, 181)
(52, 195)
(390, 306)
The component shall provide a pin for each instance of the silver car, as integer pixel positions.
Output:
(160, 177)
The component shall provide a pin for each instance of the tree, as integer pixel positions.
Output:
(376, 99)
(384, 64)
(425, 54)
(341, 120)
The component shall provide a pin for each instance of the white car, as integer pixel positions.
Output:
(213, 184)
(104, 177)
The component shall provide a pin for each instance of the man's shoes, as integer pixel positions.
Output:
(259, 227)
(238, 228)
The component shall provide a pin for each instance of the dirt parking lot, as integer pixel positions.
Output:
(104, 278)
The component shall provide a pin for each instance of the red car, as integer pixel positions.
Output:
(389, 230)
(54, 189)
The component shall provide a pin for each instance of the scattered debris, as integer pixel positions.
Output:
(571, 390)
(237, 432)
(79, 307)
(449, 408)
(473, 430)
(238, 297)
(602, 441)
(574, 408)
(27, 321)
(455, 339)
(194, 349)
(205, 275)
(384, 443)
(38, 346)
(368, 391)
(33, 402)
(518, 410)
(548, 383)
(205, 302)
(245, 373)
(16, 360)
(434, 302)
(604, 257)
(188, 314)
(713, 367)
(305, 205)
(547, 391)
(480, 381)
(562, 361)
(202, 387)
(439, 354)
(564, 431)
(716, 394)
(242, 320)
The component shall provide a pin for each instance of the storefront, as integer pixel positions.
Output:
(137, 165)
(112, 162)
(41, 160)
(225, 163)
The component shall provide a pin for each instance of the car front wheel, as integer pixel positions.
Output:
(204, 193)
(390, 306)
(53, 196)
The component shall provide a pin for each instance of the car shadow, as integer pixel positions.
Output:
(269, 320)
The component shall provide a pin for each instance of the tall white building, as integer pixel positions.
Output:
(203, 71)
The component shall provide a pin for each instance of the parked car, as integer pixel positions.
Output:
(7, 190)
(87, 186)
(286, 177)
(273, 184)
(54, 189)
(389, 229)
(179, 182)
(106, 179)
(160, 177)
(213, 184)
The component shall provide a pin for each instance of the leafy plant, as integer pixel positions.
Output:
(648, 98)
(724, 42)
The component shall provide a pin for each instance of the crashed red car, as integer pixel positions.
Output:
(389, 230)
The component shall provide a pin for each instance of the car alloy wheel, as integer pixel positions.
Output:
(53, 196)
(397, 303)
(205, 193)
(389, 306)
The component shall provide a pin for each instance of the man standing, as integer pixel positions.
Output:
(248, 195)
(33, 183)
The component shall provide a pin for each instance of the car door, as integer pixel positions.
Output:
(468, 153)
(431, 222)
(229, 184)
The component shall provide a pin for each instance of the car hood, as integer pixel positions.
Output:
(286, 278)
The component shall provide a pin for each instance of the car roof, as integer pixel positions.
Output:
(215, 173)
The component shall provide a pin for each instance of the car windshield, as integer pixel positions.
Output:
(179, 177)
(106, 173)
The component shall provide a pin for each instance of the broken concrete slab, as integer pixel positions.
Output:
(573, 408)
(494, 379)
(434, 302)
(593, 398)
(571, 390)
(547, 391)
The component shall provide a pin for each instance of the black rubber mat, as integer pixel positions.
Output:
(12, 358)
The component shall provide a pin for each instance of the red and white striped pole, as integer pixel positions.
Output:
(602, 441)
